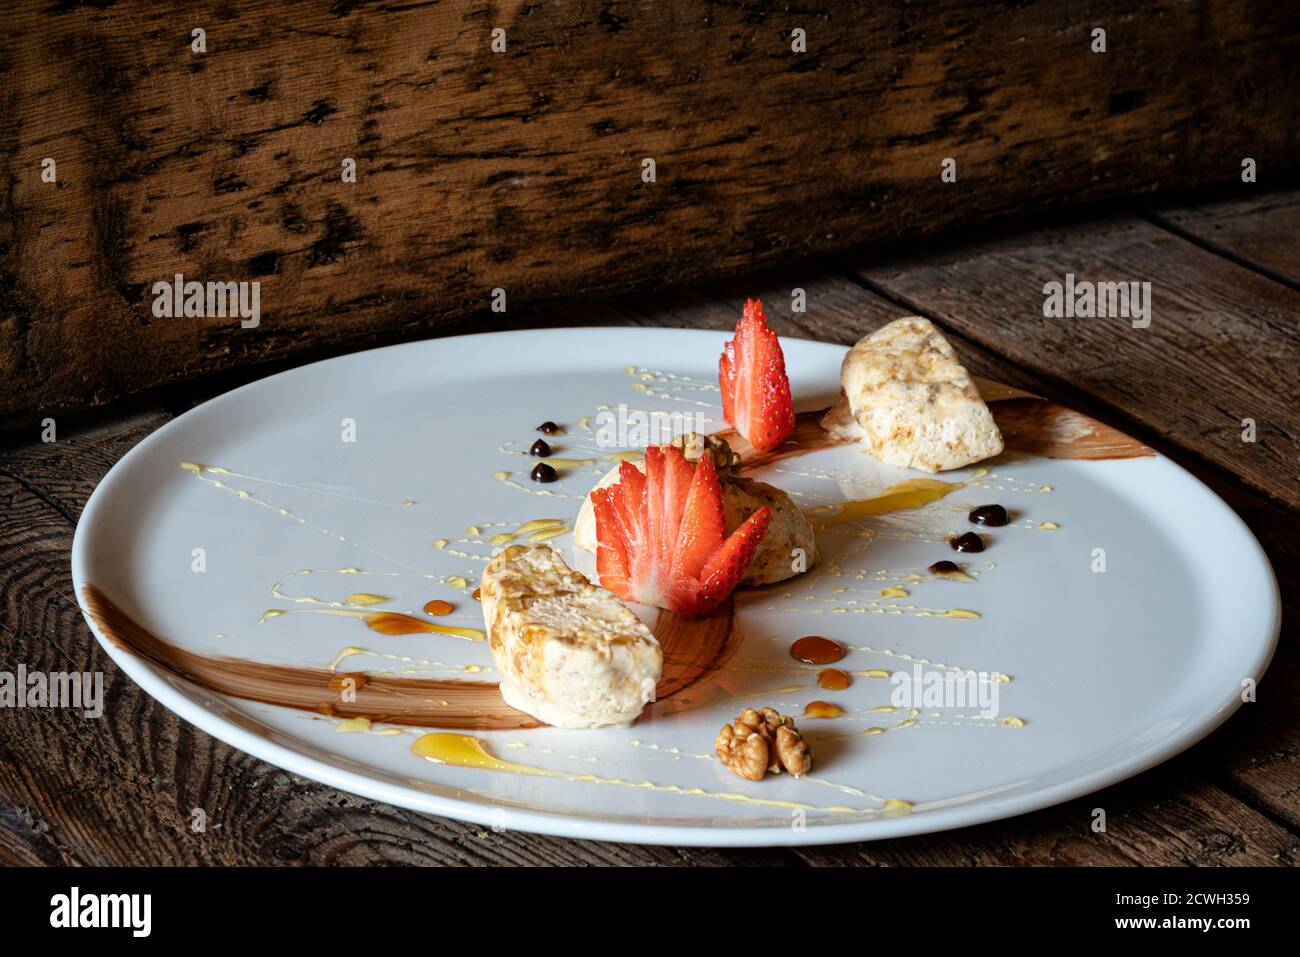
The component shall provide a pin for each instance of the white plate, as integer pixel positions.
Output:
(1112, 672)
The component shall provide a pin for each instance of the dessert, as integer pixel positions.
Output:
(908, 401)
(788, 530)
(569, 652)
(660, 535)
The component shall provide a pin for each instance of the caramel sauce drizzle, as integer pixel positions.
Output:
(694, 648)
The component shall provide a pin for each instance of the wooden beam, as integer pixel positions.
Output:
(522, 170)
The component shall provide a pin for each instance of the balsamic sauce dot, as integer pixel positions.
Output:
(549, 427)
(970, 542)
(540, 449)
(543, 473)
(993, 516)
(944, 568)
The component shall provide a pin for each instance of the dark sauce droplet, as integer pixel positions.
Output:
(970, 542)
(549, 427)
(540, 449)
(994, 516)
(542, 473)
(944, 568)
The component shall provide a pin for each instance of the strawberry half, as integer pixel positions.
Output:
(660, 535)
(755, 389)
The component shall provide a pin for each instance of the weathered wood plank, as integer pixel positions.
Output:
(1157, 820)
(1259, 749)
(1261, 232)
(1222, 346)
(522, 170)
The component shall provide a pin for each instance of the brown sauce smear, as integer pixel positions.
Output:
(809, 436)
(694, 648)
(1039, 427)
(1029, 425)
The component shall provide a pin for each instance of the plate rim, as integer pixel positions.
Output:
(565, 824)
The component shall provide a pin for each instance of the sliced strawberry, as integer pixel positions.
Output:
(755, 389)
(660, 535)
(727, 380)
(726, 568)
(702, 525)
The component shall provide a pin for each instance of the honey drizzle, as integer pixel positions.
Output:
(466, 751)
(913, 659)
(201, 473)
(909, 494)
(676, 754)
(876, 608)
(434, 667)
(200, 469)
(384, 622)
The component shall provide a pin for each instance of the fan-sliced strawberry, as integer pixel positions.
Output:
(755, 389)
(660, 535)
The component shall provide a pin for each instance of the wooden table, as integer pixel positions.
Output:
(1223, 346)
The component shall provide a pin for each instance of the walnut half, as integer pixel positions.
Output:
(761, 741)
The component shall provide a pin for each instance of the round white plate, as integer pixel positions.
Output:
(1127, 631)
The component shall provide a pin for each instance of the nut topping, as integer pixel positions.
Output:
(694, 445)
(761, 741)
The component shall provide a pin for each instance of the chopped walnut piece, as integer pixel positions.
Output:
(694, 445)
(761, 741)
(792, 750)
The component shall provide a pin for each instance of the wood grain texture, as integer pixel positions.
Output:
(1223, 345)
(521, 170)
(1261, 233)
